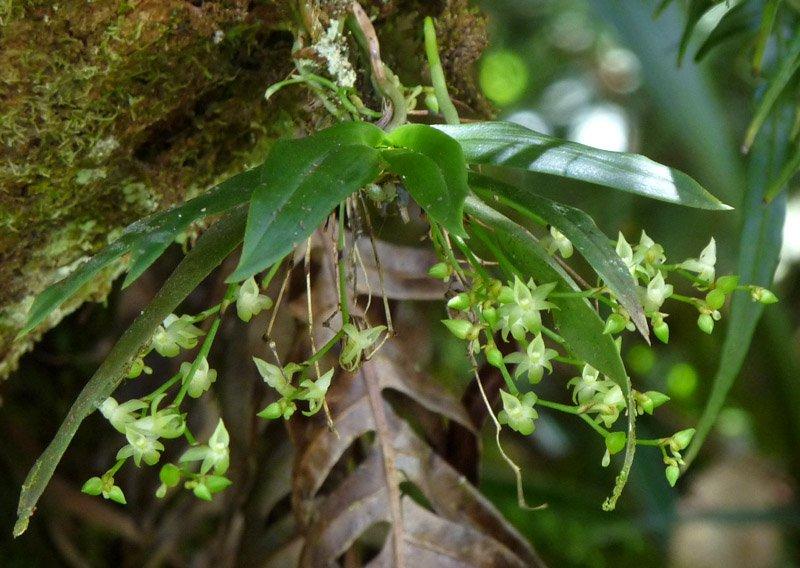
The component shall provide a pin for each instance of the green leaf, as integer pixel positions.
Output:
(211, 249)
(791, 167)
(444, 204)
(788, 66)
(511, 145)
(576, 320)
(146, 240)
(579, 228)
(696, 10)
(426, 183)
(297, 198)
(759, 252)
(739, 19)
(764, 31)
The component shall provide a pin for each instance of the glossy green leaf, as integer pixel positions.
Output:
(787, 68)
(209, 252)
(445, 155)
(298, 196)
(147, 239)
(511, 145)
(759, 252)
(579, 228)
(576, 320)
(426, 183)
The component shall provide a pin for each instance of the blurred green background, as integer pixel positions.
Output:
(604, 73)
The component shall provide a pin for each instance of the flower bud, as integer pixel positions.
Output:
(459, 328)
(672, 472)
(715, 299)
(706, 323)
(170, 475)
(489, 315)
(432, 102)
(460, 302)
(116, 495)
(657, 398)
(202, 492)
(661, 331)
(93, 486)
(506, 295)
(762, 295)
(615, 442)
(271, 412)
(440, 271)
(494, 357)
(614, 324)
(681, 439)
(727, 283)
(216, 483)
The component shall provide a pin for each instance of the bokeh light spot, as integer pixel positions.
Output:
(681, 381)
(503, 76)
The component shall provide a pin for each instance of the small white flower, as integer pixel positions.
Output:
(587, 385)
(656, 293)
(522, 315)
(704, 266)
(214, 455)
(175, 333)
(357, 343)
(625, 252)
(141, 446)
(249, 300)
(277, 378)
(201, 380)
(120, 415)
(315, 392)
(534, 361)
(519, 414)
(559, 243)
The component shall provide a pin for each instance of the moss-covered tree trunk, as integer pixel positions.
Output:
(113, 109)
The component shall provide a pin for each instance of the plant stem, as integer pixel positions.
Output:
(437, 74)
(574, 410)
(111, 472)
(325, 348)
(343, 304)
(204, 349)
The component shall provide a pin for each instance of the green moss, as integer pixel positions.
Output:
(111, 113)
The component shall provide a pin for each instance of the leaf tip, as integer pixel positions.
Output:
(21, 525)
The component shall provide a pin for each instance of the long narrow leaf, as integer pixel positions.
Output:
(759, 252)
(211, 249)
(145, 240)
(511, 145)
(739, 19)
(789, 64)
(576, 320)
(696, 10)
(581, 229)
(764, 31)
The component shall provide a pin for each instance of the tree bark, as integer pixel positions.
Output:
(111, 110)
